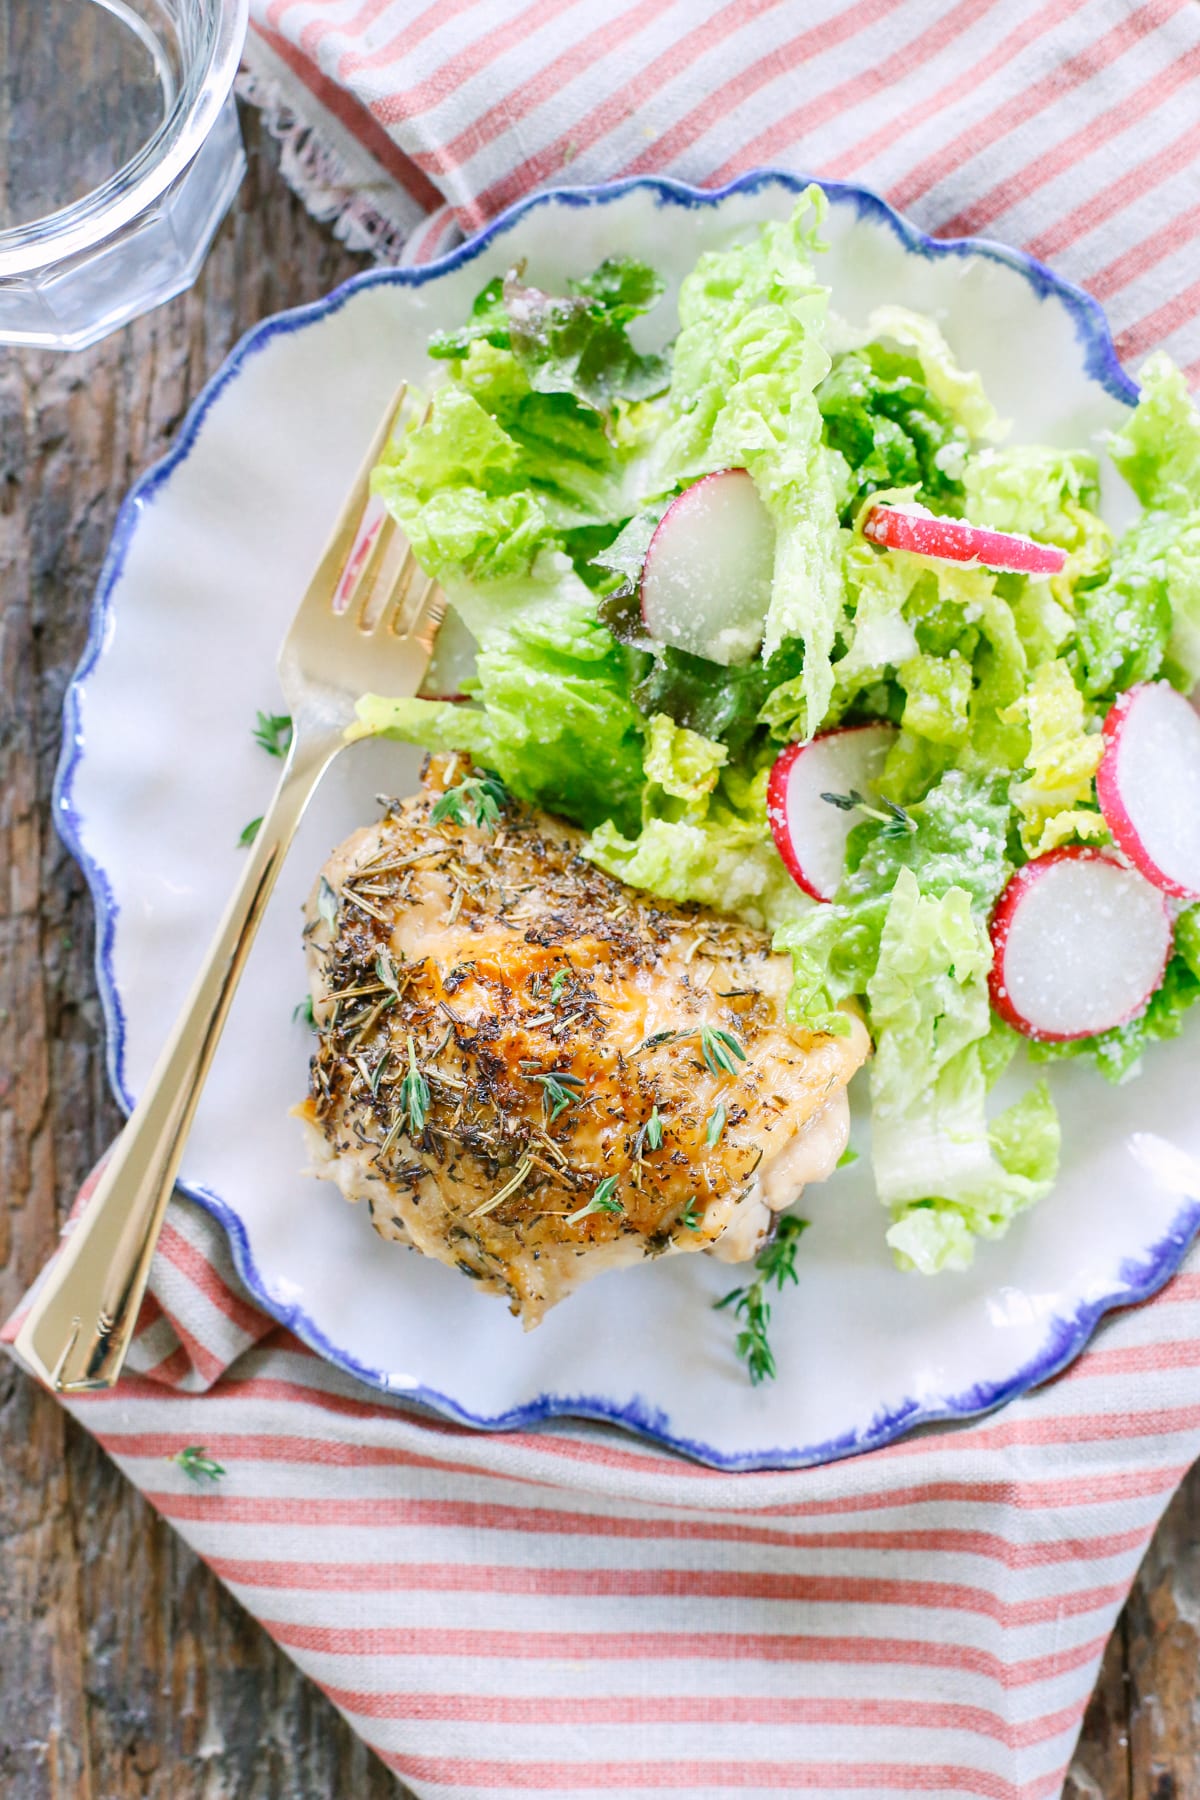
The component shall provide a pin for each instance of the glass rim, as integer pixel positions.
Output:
(85, 223)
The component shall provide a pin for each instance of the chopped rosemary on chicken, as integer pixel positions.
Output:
(477, 1078)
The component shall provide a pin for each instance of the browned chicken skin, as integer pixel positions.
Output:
(535, 1073)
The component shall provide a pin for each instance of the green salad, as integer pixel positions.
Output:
(547, 463)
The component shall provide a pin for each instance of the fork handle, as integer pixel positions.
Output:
(80, 1322)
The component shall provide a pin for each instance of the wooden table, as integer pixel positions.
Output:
(125, 1669)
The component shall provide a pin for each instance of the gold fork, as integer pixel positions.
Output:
(368, 621)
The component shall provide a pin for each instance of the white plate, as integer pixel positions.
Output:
(159, 774)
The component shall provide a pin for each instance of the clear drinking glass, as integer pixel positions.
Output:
(119, 155)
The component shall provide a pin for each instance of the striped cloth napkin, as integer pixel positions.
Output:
(567, 1610)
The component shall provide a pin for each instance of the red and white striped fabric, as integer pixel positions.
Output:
(1067, 126)
(565, 1610)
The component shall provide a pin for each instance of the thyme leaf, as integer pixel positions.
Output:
(558, 982)
(477, 800)
(273, 731)
(775, 1262)
(557, 1091)
(195, 1462)
(377, 1072)
(305, 1011)
(414, 1094)
(689, 1217)
(716, 1125)
(719, 1049)
(249, 832)
(604, 1200)
(385, 968)
(653, 1131)
(327, 904)
(895, 821)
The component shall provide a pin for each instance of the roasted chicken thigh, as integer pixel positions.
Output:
(534, 1073)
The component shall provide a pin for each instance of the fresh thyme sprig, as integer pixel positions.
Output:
(558, 1091)
(477, 801)
(895, 821)
(273, 731)
(249, 832)
(689, 1217)
(719, 1049)
(414, 1094)
(604, 1200)
(195, 1462)
(775, 1262)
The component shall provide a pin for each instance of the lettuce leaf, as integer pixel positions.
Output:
(716, 849)
(575, 343)
(1053, 800)
(556, 722)
(1154, 594)
(960, 842)
(946, 1175)
(958, 392)
(1034, 490)
(1158, 449)
(682, 763)
(881, 415)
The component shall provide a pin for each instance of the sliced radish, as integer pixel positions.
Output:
(453, 661)
(1148, 785)
(706, 581)
(955, 540)
(811, 832)
(1080, 943)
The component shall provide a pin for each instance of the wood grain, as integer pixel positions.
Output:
(125, 1669)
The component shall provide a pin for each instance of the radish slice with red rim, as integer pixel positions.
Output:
(957, 540)
(1148, 785)
(810, 833)
(1080, 942)
(706, 581)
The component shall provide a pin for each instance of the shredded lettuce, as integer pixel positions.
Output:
(1051, 801)
(946, 1176)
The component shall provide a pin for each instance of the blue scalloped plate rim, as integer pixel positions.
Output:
(1138, 1279)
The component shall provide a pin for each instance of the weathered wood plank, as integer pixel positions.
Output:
(125, 1669)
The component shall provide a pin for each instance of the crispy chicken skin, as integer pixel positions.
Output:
(534, 1073)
